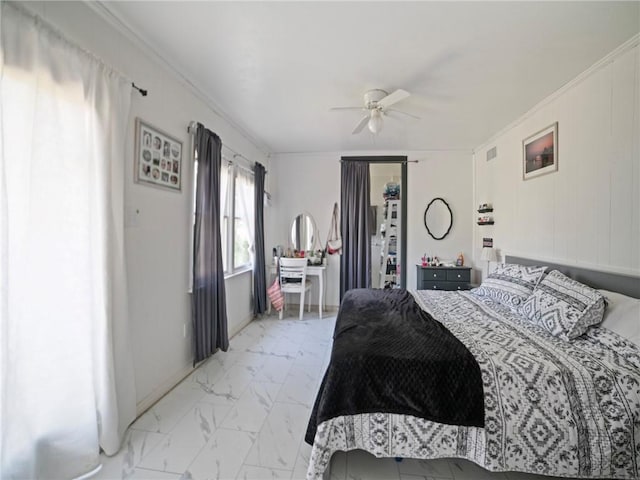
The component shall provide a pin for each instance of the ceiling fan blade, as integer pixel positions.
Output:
(347, 108)
(361, 125)
(393, 98)
(403, 113)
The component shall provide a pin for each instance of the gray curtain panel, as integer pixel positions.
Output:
(208, 301)
(355, 262)
(259, 271)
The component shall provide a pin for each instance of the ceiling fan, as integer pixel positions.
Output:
(377, 103)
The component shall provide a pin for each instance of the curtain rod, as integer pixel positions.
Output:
(244, 167)
(241, 166)
(235, 154)
(142, 91)
(191, 128)
(342, 160)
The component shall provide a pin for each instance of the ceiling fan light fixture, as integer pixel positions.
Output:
(376, 103)
(375, 122)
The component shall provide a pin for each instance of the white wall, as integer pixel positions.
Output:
(157, 234)
(311, 183)
(588, 212)
(305, 183)
(447, 175)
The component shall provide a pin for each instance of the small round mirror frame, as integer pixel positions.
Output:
(450, 218)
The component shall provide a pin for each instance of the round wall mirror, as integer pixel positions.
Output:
(303, 232)
(438, 218)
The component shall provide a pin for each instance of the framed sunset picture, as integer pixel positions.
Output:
(540, 152)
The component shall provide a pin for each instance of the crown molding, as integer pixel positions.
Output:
(102, 9)
(603, 62)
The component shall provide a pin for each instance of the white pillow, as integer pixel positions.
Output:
(622, 315)
(510, 284)
(563, 306)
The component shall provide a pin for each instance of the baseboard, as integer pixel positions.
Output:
(165, 387)
(151, 399)
(239, 327)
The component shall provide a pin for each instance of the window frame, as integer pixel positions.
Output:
(229, 212)
(236, 214)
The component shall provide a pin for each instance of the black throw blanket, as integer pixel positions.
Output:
(391, 356)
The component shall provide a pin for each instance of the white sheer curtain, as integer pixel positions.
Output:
(225, 216)
(244, 194)
(66, 384)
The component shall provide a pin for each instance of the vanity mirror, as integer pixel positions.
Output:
(304, 233)
(438, 218)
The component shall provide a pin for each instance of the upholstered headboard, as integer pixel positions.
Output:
(615, 282)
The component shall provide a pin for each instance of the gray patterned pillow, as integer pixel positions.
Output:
(510, 284)
(563, 306)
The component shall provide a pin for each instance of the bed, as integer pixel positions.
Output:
(550, 405)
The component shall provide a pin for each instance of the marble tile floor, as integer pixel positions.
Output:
(243, 415)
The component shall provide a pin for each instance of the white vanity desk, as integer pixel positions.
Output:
(312, 270)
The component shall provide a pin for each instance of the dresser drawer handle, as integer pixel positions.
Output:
(435, 275)
(458, 287)
(435, 287)
(458, 275)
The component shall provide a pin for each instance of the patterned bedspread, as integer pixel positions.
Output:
(390, 356)
(568, 409)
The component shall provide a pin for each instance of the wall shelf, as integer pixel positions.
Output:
(486, 219)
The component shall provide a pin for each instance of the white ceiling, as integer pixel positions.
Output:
(275, 68)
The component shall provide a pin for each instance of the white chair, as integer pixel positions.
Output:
(293, 279)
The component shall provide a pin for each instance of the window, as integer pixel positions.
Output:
(237, 204)
(243, 219)
(226, 174)
(236, 215)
